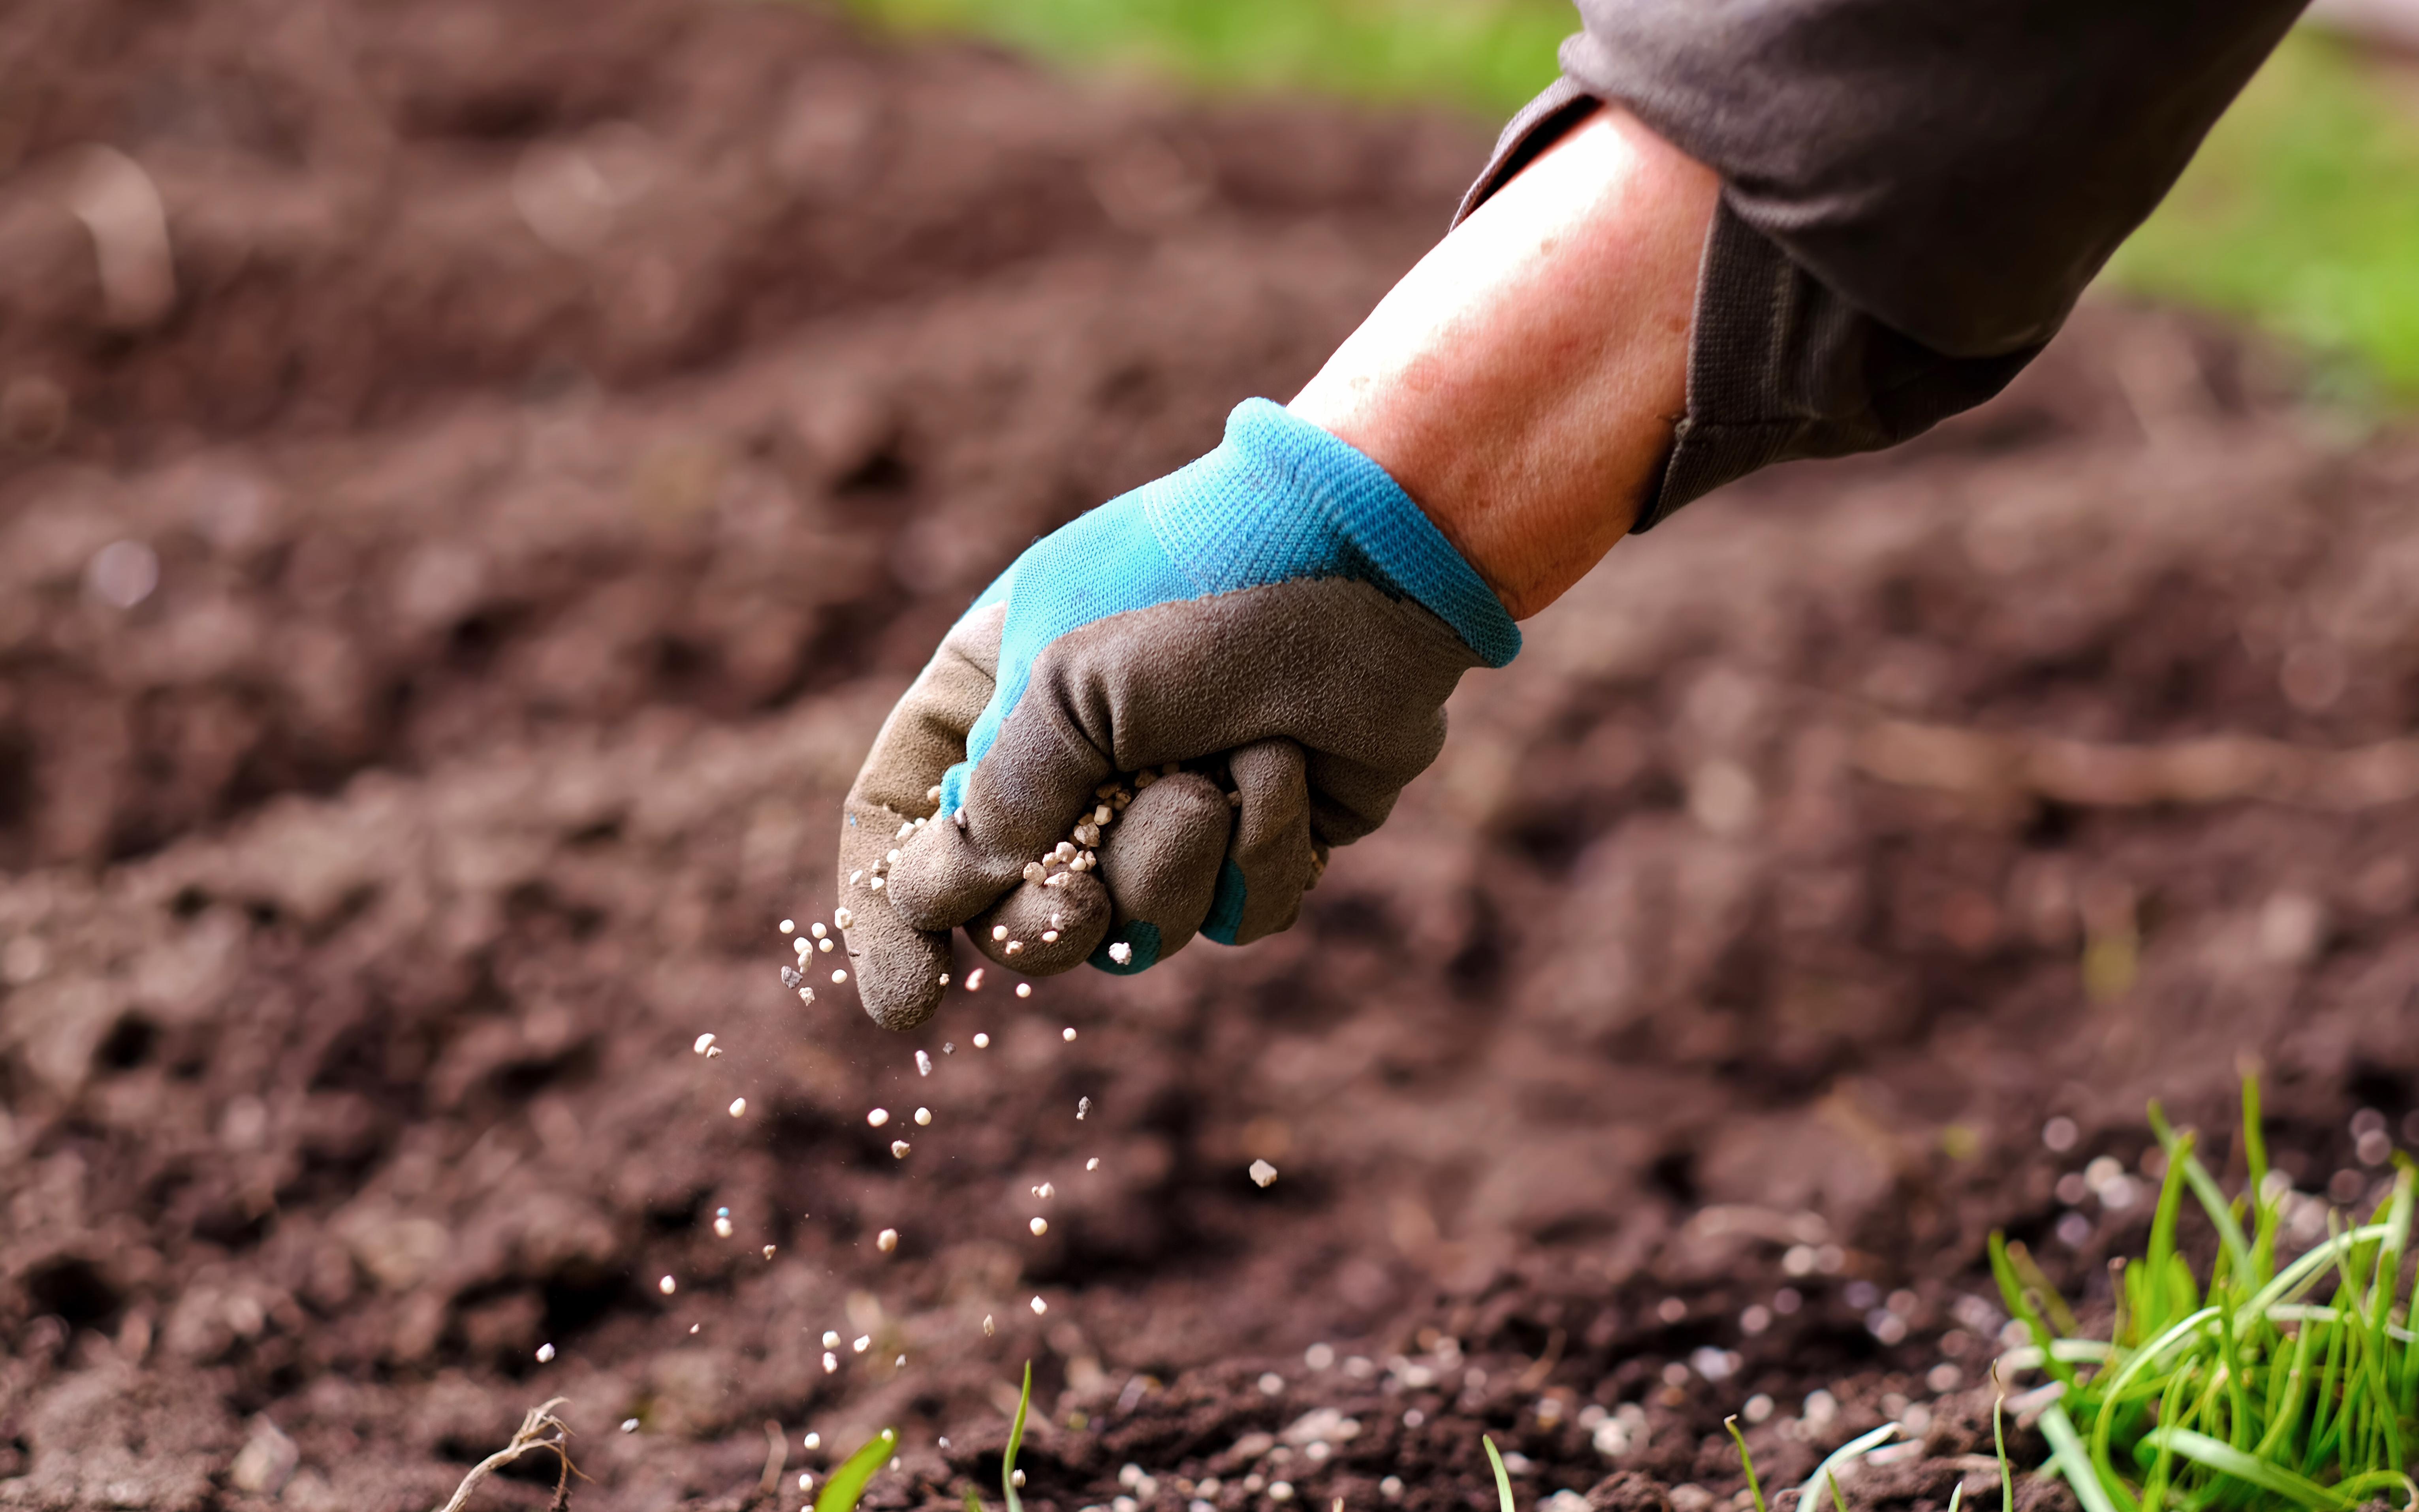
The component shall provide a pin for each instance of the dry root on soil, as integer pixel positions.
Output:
(527, 1437)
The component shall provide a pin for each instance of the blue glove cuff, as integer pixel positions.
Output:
(1278, 500)
(1282, 499)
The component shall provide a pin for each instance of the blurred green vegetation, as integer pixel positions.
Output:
(1485, 55)
(2301, 214)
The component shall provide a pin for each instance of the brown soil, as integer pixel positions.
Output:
(575, 424)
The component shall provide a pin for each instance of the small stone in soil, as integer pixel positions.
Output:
(792, 976)
(768, 1251)
(1263, 1173)
(899, 1148)
(1122, 953)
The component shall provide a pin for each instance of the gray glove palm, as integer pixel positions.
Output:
(1156, 722)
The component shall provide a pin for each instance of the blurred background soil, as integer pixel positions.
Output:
(474, 477)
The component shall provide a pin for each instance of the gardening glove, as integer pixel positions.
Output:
(1160, 718)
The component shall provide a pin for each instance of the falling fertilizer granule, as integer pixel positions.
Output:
(1068, 1034)
(878, 1118)
(886, 1240)
(1082, 1107)
(545, 1353)
(1039, 1306)
(1040, 1227)
(923, 1118)
(1263, 1173)
(704, 1042)
(668, 1285)
(738, 1106)
(923, 1064)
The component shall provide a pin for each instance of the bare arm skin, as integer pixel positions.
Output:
(1522, 381)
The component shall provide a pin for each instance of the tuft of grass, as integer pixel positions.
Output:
(2233, 1390)
(847, 1484)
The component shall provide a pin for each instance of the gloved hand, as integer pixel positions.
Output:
(1159, 718)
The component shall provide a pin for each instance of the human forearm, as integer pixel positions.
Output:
(1522, 381)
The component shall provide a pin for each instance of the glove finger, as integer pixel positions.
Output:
(1271, 861)
(899, 962)
(1019, 805)
(1044, 928)
(900, 970)
(1159, 863)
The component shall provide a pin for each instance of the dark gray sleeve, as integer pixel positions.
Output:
(1914, 192)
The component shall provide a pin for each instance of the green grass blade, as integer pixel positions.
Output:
(2179, 1148)
(1999, 1443)
(1956, 1496)
(847, 1483)
(2272, 1478)
(2068, 1456)
(2162, 1218)
(1502, 1476)
(1747, 1461)
(2012, 1289)
(1809, 1495)
(974, 1502)
(2255, 1138)
(2304, 1273)
(1015, 1442)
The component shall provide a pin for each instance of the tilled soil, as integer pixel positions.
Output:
(573, 426)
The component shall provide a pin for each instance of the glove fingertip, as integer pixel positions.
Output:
(904, 994)
(1227, 903)
(1140, 942)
